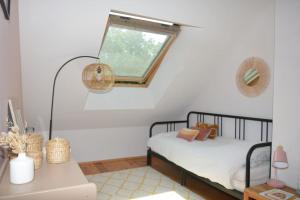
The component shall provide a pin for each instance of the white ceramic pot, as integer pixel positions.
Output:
(21, 169)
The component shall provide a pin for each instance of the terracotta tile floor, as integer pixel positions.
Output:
(96, 167)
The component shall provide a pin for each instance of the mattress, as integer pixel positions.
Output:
(221, 160)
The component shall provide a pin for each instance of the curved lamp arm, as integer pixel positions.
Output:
(53, 89)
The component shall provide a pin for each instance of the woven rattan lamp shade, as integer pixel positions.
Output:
(260, 84)
(98, 77)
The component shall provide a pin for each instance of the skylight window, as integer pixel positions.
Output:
(134, 47)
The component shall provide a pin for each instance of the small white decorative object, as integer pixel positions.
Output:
(21, 169)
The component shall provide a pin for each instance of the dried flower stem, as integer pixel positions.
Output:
(15, 140)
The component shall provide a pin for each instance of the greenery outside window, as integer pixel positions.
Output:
(134, 48)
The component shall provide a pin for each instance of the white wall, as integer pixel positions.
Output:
(51, 34)
(10, 64)
(231, 32)
(286, 86)
(220, 93)
(106, 143)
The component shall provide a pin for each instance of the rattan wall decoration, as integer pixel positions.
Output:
(253, 77)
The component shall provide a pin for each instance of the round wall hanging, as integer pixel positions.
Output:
(253, 77)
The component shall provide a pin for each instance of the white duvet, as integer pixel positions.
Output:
(218, 160)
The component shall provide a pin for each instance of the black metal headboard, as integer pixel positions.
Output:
(239, 123)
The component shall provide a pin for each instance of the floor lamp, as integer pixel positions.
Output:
(97, 77)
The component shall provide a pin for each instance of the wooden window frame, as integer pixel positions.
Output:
(151, 27)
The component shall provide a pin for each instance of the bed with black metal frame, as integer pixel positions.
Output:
(240, 134)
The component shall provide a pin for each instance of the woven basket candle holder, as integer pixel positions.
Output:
(37, 158)
(34, 142)
(58, 150)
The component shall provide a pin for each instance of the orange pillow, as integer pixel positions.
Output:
(203, 134)
(201, 125)
(213, 129)
(188, 134)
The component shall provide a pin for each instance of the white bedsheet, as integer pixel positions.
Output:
(217, 160)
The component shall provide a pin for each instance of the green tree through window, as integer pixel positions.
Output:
(130, 52)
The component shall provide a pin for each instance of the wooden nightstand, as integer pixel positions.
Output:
(253, 192)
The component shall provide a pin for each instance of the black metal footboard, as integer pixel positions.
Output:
(248, 159)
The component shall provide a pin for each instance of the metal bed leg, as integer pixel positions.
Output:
(149, 157)
(183, 178)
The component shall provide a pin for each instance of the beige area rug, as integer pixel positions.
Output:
(143, 183)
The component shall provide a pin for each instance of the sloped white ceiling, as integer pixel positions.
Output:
(53, 31)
